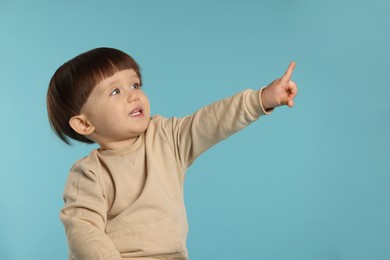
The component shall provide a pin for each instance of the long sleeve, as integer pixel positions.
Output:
(84, 217)
(194, 134)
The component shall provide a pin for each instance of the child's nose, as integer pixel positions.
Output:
(133, 96)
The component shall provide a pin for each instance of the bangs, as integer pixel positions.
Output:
(99, 64)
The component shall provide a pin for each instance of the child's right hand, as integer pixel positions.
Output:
(281, 91)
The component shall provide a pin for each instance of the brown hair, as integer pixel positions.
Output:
(73, 82)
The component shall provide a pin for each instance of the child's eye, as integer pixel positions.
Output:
(136, 86)
(115, 92)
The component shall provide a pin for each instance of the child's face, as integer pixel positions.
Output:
(118, 110)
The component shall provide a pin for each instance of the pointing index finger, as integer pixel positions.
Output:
(288, 74)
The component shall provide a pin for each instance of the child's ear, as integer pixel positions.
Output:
(81, 125)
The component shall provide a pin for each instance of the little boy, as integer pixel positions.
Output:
(125, 199)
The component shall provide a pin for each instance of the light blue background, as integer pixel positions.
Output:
(312, 182)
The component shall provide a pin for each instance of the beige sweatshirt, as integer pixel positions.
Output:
(129, 203)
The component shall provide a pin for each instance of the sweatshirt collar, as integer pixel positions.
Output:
(125, 150)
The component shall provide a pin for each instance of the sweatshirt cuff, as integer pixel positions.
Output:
(268, 111)
(254, 104)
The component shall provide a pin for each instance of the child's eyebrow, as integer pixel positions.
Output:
(106, 87)
(113, 82)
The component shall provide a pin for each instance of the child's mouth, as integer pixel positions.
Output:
(136, 112)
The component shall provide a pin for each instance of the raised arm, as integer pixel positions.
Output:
(194, 134)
